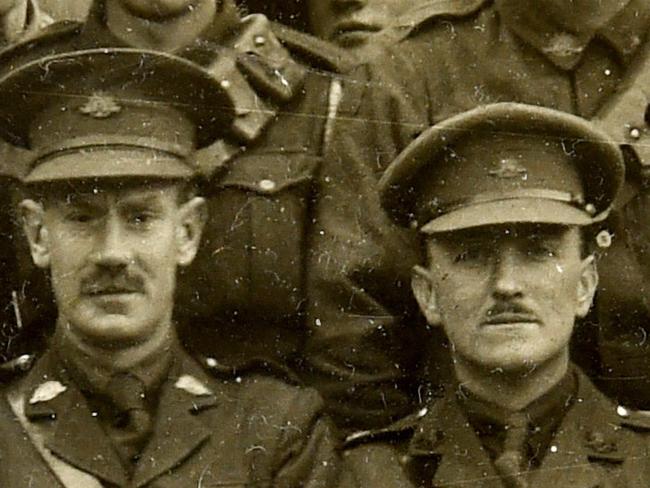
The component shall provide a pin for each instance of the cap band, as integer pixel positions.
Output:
(110, 141)
(487, 197)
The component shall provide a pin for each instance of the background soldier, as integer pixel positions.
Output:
(504, 197)
(111, 213)
(358, 25)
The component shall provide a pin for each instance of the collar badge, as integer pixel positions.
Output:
(192, 386)
(47, 391)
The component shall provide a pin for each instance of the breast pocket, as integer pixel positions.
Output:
(251, 261)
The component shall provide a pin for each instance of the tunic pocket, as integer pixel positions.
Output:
(251, 261)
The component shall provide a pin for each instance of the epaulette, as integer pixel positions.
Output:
(427, 12)
(638, 420)
(402, 429)
(258, 79)
(234, 371)
(15, 367)
(313, 51)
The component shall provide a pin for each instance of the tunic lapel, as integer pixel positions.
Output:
(590, 431)
(178, 431)
(68, 428)
(445, 434)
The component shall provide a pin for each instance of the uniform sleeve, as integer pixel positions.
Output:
(623, 312)
(311, 458)
(361, 338)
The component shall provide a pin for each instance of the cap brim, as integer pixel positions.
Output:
(520, 210)
(110, 163)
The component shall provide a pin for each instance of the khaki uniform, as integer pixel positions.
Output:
(437, 447)
(232, 431)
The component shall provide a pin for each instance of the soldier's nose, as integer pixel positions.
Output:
(507, 275)
(112, 249)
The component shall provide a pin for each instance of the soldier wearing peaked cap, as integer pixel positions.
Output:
(111, 211)
(301, 240)
(453, 55)
(504, 197)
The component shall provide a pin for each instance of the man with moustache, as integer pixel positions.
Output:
(297, 257)
(111, 212)
(506, 198)
(571, 56)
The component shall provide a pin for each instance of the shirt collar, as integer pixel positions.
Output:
(551, 404)
(91, 377)
(623, 28)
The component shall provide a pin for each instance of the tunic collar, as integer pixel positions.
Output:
(622, 26)
(92, 377)
(544, 414)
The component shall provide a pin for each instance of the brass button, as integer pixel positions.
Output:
(267, 185)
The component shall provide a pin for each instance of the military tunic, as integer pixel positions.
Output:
(237, 431)
(592, 446)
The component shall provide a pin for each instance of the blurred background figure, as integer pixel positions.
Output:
(65, 9)
(20, 18)
(352, 24)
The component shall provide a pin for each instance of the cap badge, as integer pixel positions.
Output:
(509, 168)
(100, 106)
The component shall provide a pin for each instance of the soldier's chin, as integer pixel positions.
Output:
(113, 330)
(158, 9)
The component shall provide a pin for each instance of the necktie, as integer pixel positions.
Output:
(510, 461)
(132, 428)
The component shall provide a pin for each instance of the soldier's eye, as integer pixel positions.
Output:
(541, 250)
(141, 218)
(79, 217)
(472, 252)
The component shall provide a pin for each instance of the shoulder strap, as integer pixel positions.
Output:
(316, 52)
(68, 475)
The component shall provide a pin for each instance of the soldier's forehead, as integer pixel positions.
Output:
(86, 189)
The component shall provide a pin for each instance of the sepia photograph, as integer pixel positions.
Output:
(324, 243)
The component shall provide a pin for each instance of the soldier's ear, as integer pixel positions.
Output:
(425, 294)
(32, 215)
(192, 218)
(586, 286)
